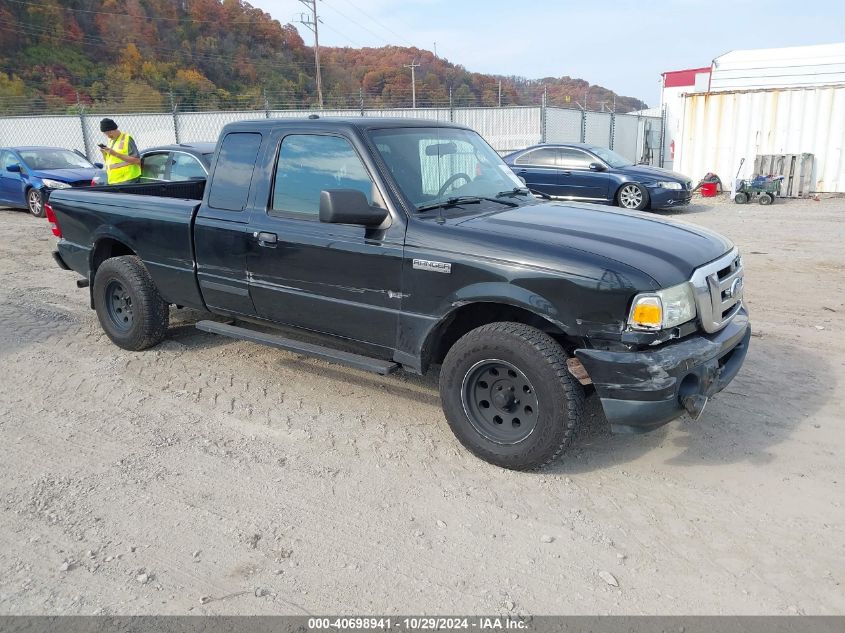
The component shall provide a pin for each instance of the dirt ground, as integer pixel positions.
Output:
(214, 476)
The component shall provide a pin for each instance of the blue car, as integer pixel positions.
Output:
(28, 174)
(588, 173)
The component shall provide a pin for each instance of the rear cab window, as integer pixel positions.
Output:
(233, 172)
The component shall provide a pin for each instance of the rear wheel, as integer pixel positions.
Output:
(766, 199)
(131, 311)
(632, 196)
(508, 396)
(741, 197)
(34, 203)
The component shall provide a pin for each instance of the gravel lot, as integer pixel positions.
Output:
(214, 476)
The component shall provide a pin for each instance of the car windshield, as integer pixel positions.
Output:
(53, 159)
(611, 158)
(434, 165)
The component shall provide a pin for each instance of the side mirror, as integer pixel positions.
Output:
(597, 167)
(349, 206)
(15, 169)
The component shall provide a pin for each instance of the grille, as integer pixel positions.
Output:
(718, 291)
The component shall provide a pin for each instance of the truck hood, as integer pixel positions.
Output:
(666, 251)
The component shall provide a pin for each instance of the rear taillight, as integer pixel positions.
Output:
(51, 218)
(93, 182)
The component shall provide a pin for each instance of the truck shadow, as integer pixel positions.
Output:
(777, 390)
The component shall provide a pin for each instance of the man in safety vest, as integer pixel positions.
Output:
(120, 158)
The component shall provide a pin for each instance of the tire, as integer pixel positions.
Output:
(131, 311)
(520, 374)
(34, 202)
(632, 196)
(741, 197)
(766, 199)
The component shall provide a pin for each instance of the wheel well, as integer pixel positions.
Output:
(471, 316)
(106, 249)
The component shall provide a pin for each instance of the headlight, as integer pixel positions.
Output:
(670, 185)
(663, 309)
(54, 184)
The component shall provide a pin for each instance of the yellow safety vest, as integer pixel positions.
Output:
(117, 169)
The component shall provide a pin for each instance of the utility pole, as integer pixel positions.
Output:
(500, 93)
(311, 23)
(586, 96)
(413, 66)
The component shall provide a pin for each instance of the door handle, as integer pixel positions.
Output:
(566, 173)
(266, 239)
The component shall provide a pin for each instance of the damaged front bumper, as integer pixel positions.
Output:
(641, 391)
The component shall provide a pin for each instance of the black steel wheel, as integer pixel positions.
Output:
(130, 309)
(500, 401)
(741, 197)
(119, 306)
(34, 203)
(509, 397)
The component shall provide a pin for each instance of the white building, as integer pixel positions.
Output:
(757, 102)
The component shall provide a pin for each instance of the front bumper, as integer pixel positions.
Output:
(641, 391)
(666, 198)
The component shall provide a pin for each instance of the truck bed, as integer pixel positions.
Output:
(186, 189)
(154, 220)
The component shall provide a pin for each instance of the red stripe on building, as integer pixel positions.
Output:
(678, 78)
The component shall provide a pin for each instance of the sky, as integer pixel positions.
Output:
(618, 44)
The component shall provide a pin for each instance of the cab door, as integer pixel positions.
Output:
(338, 279)
(221, 229)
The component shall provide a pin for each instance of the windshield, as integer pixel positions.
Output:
(611, 158)
(432, 165)
(53, 159)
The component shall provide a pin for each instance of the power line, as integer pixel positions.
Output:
(354, 21)
(381, 24)
(129, 15)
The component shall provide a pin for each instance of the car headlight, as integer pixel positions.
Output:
(663, 309)
(54, 184)
(670, 185)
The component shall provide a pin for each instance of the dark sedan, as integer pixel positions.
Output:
(579, 171)
(167, 163)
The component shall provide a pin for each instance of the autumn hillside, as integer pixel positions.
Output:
(146, 55)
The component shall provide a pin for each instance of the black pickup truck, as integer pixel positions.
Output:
(404, 243)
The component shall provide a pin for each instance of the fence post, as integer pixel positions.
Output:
(543, 116)
(612, 129)
(173, 109)
(361, 98)
(266, 104)
(86, 144)
(662, 134)
(451, 107)
(584, 125)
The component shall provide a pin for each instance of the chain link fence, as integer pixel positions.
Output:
(507, 129)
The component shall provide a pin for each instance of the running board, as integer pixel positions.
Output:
(349, 359)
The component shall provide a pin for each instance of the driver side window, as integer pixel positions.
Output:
(311, 163)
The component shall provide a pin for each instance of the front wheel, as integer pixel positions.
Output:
(34, 203)
(632, 196)
(508, 396)
(130, 309)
